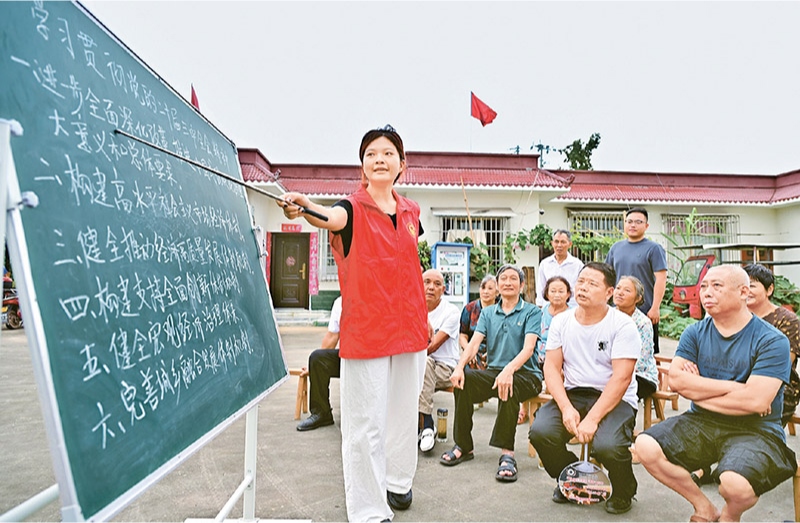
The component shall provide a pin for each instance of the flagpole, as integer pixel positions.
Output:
(466, 206)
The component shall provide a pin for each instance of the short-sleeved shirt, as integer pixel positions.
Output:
(758, 349)
(336, 315)
(445, 318)
(549, 267)
(589, 350)
(646, 364)
(642, 259)
(469, 320)
(347, 232)
(505, 333)
(547, 319)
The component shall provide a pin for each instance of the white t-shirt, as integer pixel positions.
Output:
(589, 349)
(336, 315)
(446, 317)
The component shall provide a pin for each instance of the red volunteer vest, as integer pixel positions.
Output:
(383, 301)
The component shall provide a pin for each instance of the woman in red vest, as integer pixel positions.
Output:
(384, 328)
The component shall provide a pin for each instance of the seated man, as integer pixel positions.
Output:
(511, 329)
(443, 351)
(732, 365)
(323, 364)
(591, 353)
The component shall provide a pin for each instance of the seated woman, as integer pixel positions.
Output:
(557, 292)
(470, 314)
(627, 295)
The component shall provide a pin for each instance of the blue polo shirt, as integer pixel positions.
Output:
(505, 333)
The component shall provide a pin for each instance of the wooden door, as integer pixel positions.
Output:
(289, 270)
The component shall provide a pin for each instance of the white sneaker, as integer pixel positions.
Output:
(426, 440)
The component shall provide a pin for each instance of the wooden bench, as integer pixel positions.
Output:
(532, 406)
(657, 401)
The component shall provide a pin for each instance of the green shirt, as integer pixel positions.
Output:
(505, 333)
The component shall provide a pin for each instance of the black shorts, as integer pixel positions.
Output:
(694, 441)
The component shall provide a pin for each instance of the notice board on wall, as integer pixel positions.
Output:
(156, 323)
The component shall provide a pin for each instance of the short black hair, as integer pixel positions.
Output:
(761, 274)
(609, 274)
(641, 210)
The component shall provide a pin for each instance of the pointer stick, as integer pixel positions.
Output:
(310, 212)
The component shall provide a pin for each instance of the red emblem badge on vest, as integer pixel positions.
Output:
(412, 229)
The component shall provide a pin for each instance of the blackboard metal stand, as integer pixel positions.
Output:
(14, 236)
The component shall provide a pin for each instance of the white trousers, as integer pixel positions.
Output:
(379, 430)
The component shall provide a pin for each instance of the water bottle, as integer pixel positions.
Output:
(441, 425)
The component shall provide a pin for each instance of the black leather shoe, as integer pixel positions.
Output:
(315, 421)
(559, 497)
(399, 501)
(616, 505)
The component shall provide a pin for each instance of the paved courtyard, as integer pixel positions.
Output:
(300, 474)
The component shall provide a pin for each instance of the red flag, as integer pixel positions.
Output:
(194, 99)
(481, 111)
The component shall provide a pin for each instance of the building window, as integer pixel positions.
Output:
(490, 231)
(707, 229)
(327, 265)
(595, 223)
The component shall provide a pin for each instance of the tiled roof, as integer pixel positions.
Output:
(442, 176)
(633, 187)
(632, 194)
(479, 171)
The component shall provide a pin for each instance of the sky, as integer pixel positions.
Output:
(707, 87)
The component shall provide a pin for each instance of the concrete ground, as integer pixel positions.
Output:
(300, 474)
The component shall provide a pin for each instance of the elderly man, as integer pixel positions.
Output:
(511, 329)
(732, 365)
(560, 263)
(443, 351)
(591, 353)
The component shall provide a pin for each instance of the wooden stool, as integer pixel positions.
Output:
(533, 405)
(301, 404)
(790, 425)
(796, 489)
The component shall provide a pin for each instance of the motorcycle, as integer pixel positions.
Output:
(11, 316)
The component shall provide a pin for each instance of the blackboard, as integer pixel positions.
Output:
(158, 326)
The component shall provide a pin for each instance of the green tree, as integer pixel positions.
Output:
(578, 155)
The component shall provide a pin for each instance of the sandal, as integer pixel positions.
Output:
(449, 458)
(507, 464)
(704, 479)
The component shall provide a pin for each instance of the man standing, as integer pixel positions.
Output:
(443, 351)
(323, 364)
(560, 263)
(732, 365)
(511, 329)
(591, 353)
(645, 259)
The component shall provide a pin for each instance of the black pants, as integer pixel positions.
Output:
(655, 338)
(323, 364)
(478, 388)
(610, 445)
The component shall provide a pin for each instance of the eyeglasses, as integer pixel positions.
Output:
(634, 222)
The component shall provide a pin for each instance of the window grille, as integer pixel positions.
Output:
(327, 269)
(708, 228)
(491, 231)
(591, 223)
